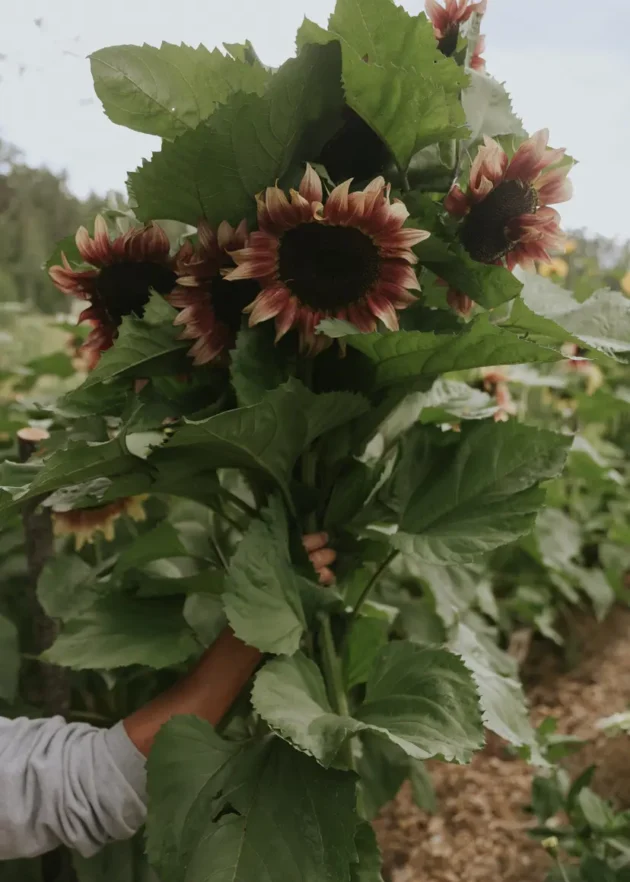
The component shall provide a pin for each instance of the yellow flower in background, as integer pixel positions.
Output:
(85, 523)
(570, 246)
(625, 283)
(557, 267)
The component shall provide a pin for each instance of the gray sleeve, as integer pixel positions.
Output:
(67, 783)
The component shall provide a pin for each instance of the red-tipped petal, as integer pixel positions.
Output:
(336, 208)
(286, 319)
(268, 304)
(456, 202)
(525, 162)
(554, 187)
(311, 185)
(383, 309)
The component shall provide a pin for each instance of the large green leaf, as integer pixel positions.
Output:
(255, 365)
(425, 701)
(501, 696)
(601, 323)
(80, 462)
(266, 437)
(422, 700)
(403, 355)
(265, 797)
(262, 592)
(488, 108)
(269, 436)
(367, 636)
(118, 631)
(383, 766)
(9, 659)
(67, 586)
(142, 349)
(486, 498)
(168, 90)
(394, 76)
(252, 139)
(290, 694)
(162, 541)
(368, 867)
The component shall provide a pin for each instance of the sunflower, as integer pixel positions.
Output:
(448, 19)
(348, 257)
(476, 61)
(495, 382)
(211, 309)
(85, 523)
(121, 275)
(506, 209)
(459, 302)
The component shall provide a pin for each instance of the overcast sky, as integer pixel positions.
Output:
(564, 61)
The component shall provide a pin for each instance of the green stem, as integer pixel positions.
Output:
(309, 457)
(219, 551)
(98, 552)
(562, 870)
(370, 585)
(334, 680)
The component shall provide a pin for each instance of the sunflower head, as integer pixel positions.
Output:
(86, 523)
(505, 211)
(211, 308)
(346, 256)
(447, 20)
(121, 274)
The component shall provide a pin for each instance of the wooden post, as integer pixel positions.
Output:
(49, 687)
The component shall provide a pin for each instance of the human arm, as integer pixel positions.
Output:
(83, 787)
(211, 687)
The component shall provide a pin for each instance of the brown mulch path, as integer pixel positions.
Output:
(480, 831)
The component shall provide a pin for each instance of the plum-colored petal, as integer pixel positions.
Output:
(311, 185)
(456, 202)
(554, 187)
(362, 318)
(489, 164)
(381, 306)
(268, 304)
(286, 319)
(525, 162)
(336, 207)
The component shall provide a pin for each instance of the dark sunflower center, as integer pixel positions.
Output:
(328, 268)
(124, 288)
(230, 298)
(484, 231)
(448, 43)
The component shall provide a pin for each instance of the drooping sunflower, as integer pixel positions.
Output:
(347, 257)
(121, 274)
(211, 309)
(448, 19)
(495, 382)
(85, 523)
(506, 209)
(476, 61)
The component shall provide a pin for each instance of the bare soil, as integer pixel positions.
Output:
(480, 833)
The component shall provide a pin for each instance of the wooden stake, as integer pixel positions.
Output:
(49, 687)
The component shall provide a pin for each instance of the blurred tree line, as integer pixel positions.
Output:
(36, 210)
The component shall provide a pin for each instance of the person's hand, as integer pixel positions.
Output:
(316, 544)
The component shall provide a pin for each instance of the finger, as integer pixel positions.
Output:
(322, 558)
(315, 541)
(326, 576)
